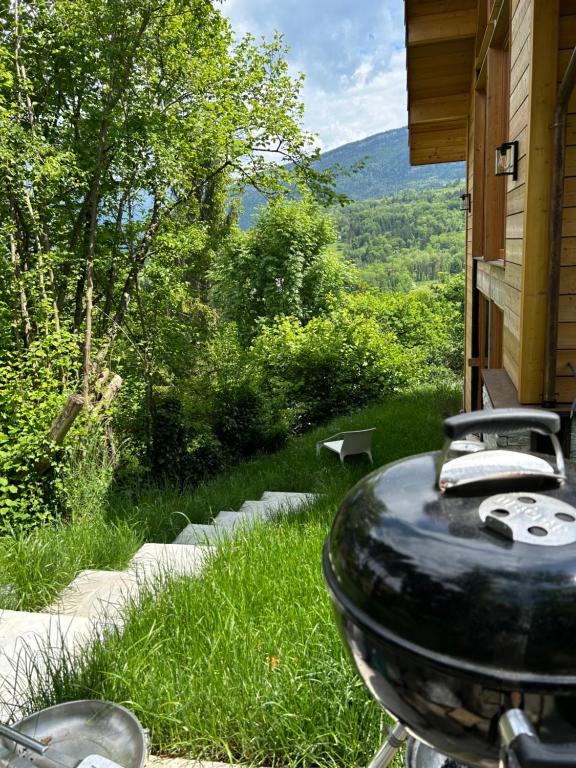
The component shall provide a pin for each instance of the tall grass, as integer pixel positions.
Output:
(36, 566)
(244, 663)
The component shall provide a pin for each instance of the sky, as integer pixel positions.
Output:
(352, 53)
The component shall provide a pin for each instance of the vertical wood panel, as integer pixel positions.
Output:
(544, 41)
(496, 133)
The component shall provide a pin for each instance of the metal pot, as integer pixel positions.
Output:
(454, 584)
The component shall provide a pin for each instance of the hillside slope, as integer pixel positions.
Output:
(387, 170)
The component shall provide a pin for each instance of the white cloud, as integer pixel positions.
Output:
(352, 56)
(365, 107)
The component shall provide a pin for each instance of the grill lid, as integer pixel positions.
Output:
(444, 575)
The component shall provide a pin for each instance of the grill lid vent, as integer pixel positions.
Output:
(530, 518)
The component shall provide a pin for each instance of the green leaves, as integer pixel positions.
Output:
(283, 266)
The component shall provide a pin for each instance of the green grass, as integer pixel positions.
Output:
(244, 664)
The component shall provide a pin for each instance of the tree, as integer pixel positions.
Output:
(120, 122)
(284, 265)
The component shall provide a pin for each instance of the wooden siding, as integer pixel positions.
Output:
(542, 20)
(565, 381)
(440, 62)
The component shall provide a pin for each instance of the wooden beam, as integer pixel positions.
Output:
(542, 95)
(441, 27)
(439, 109)
(434, 156)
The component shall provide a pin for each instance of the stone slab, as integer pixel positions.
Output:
(155, 761)
(198, 534)
(289, 498)
(97, 594)
(158, 561)
(29, 644)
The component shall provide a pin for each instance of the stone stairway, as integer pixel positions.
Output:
(94, 600)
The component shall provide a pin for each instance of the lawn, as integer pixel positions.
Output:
(244, 663)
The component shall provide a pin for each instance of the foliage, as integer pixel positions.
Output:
(282, 266)
(413, 237)
(332, 364)
(31, 394)
(125, 127)
(385, 170)
(259, 675)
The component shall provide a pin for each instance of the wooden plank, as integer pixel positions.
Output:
(567, 7)
(441, 155)
(520, 93)
(498, 290)
(496, 132)
(567, 309)
(520, 65)
(426, 7)
(514, 251)
(567, 32)
(569, 222)
(515, 226)
(439, 109)
(512, 322)
(439, 134)
(570, 166)
(522, 171)
(568, 251)
(483, 279)
(479, 171)
(513, 274)
(520, 26)
(515, 201)
(513, 300)
(543, 69)
(569, 192)
(439, 70)
(567, 336)
(564, 357)
(571, 130)
(568, 279)
(519, 123)
(566, 388)
(441, 27)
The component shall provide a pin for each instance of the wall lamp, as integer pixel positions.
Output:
(466, 204)
(507, 159)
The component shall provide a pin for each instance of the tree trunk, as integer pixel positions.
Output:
(60, 428)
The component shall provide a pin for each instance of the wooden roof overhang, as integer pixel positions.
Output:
(440, 53)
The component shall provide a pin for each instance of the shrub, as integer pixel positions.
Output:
(33, 388)
(332, 364)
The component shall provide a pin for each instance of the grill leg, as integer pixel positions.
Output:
(396, 737)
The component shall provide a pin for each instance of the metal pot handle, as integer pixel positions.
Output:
(500, 420)
(522, 747)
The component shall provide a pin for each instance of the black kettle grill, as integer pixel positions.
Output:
(453, 576)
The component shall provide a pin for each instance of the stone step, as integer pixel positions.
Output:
(203, 535)
(244, 517)
(289, 498)
(258, 510)
(98, 594)
(154, 561)
(30, 643)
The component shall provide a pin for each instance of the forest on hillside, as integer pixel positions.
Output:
(144, 338)
(412, 237)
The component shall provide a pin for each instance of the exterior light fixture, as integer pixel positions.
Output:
(466, 204)
(507, 159)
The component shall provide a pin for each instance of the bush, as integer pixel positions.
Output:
(332, 364)
(32, 392)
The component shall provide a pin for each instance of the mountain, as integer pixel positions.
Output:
(387, 170)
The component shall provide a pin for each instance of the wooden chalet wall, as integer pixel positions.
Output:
(518, 51)
(565, 382)
(517, 283)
